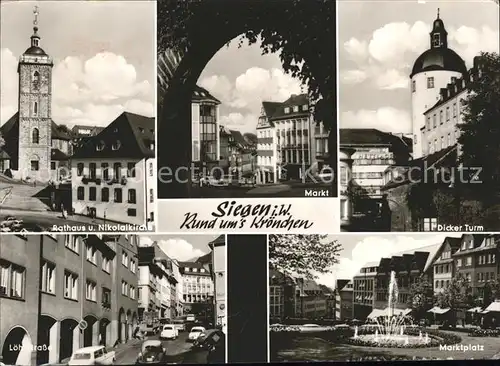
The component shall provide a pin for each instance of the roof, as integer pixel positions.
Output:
(221, 240)
(494, 306)
(135, 133)
(294, 100)
(4, 155)
(270, 108)
(414, 175)
(35, 51)
(13, 123)
(372, 136)
(439, 59)
(205, 259)
(203, 95)
(58, 155)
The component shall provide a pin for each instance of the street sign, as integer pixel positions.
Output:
(83, 325)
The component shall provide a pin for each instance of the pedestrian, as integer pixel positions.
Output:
(100, 339)
(63, 211)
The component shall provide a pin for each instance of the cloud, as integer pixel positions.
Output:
(353, 76)
(180, 249)
(363, 253)
(386, 119)
(387, 56)
(241, 122)
(243, 96)
(85, 91)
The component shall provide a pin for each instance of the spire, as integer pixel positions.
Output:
(438, 35)
(35, 38)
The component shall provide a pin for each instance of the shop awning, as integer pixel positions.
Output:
(494, 306)
(477, 309)
(438, 310)
(376, 313)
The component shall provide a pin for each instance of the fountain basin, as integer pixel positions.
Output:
(398, 341)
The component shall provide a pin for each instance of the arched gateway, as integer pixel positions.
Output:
(304, 30)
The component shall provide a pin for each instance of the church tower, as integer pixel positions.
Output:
(35, 98)
(432, 70)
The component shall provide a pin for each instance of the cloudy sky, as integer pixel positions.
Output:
(241, 78)
(379, 41)
(104, 57)
(182, 247)
(359, 249)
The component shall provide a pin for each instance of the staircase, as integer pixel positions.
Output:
(21, 197)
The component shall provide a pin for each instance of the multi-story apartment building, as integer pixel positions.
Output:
(410, 267)
(113, 173)
(443, 268)
(476, 260)
(65, 292)
(364, 290)
(236, 153)
(343, 300)
(179, 288)
(157, 283)
(284, 141)
(374, 152)
(442, 120)
(282, 295)
(345, 171)
(218, 273)
(197, 284)
(311, 301)
(205, 128)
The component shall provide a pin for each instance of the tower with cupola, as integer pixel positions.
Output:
(432, 70)
(35, 98)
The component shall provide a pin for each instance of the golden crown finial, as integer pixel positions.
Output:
(35, 12)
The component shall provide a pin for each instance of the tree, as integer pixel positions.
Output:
(491, 292)
(480, 131)
(251, 138)
(303, 255)
(421, 298)
(295, 29)
(457, 295)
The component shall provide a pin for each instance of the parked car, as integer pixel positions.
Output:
(152, 352)
(179, 324)
(8, 221)
(169, 331)
(195, 333)
(95, 355)
(205, 339)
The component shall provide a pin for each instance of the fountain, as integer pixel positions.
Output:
(391, 328)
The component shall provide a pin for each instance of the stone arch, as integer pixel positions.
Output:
(104, 331)
(91, 333)
(35, 133)
(121, 325)
(183, 73)
(47, 335)
(69, 338)
(17, 347)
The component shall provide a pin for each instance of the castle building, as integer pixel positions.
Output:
(35, 146)
(432, 71)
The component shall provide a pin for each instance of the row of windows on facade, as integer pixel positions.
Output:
(13, 282)
(296, 108)
(117, 195)
(486, 259)
(442, 143)
(430, 83)
(105, 168)
(442, 117)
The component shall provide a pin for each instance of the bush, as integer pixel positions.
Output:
(484, 333)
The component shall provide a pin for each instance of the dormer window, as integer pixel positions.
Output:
(305, 107)
(141, 130)
(436, 40)
(296, 108)
(287, 110)
(116, 145)
(100, 146)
